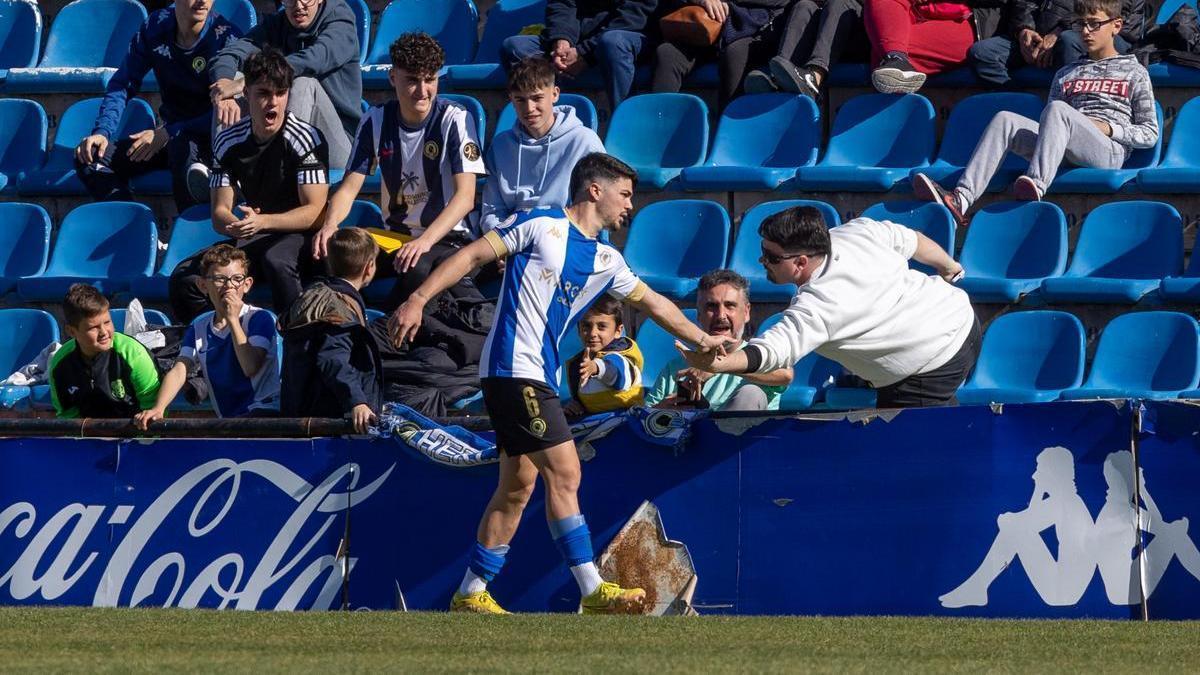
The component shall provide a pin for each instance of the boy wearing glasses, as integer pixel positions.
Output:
(1101, 109)
(233, 346)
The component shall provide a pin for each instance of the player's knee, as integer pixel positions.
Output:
(562, 482)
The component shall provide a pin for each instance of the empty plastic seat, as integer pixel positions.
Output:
(659, 135)
(106, 244)
(1180, 168)
(1124, 251)
(968, 120)
(153, 317)
(505, 19)
(454, 23)
(1143, 355)
(747, 248)
(24, 243)
(1105, 181)
(87, 41)
(363, 214)
(1169, 7)
(585, 110)
(811, 376)
(57, 176)
(671, 244)
(192, 232)
(876, 141)
(1185, 288)
(1027, 357)
(22, 137)
(932, 220)
(240, 13)
(850, 398)
(362, 22)
(658, 348)
(761, 141)
(1011, 248)
(20, 35)
(24, 333)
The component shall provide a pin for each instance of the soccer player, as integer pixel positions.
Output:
(234, 346)
(279, 164)
(428, 154)
(556, 270)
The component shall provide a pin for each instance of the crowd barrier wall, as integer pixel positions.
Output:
(1019, 511)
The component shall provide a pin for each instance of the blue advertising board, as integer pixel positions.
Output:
(1024, 511)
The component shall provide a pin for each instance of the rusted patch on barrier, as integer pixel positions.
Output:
(641, 556)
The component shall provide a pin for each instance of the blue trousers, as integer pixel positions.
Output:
(614, 52)
(996, 57)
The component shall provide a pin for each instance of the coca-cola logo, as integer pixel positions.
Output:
(54, 558)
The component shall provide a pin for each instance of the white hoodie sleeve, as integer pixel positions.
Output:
(799, 332)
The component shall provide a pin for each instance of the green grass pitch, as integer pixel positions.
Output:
(46, 640)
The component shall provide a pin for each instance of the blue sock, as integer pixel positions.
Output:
(486, 562)
(573, 539)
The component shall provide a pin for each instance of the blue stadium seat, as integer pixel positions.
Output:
(362, 21)
(932, 220)
(659, 135)
(106, 244)
(24, 243)
(811, 376)
(849, 398)
(453, 22)
(1011, 248)
(569, 346)
(761, 141)
(968, 119)
(240, 13)
(22, 137)
(373, 181)
(585, 110)
(505, 19)
(363, 214)
(153, 316)
(57, 176)
(87, 41)
(1143, 355)
(1169, 7)
(20, 35)
(1124, 251)
(373, 314)
(1184, 288)
(192, 232)
(1027, 357)
(876, 141)
(747, 248)
(672, 243)
(1106, 181)
(658, 348)
(1180, 168)
(24, 333)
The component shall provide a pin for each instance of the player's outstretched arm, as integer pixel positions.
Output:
(406, 320)
(664, 313)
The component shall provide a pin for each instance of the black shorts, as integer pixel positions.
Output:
(526, 415)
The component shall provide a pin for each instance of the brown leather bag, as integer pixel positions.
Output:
(690, 26)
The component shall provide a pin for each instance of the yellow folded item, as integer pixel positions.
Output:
(389, 241)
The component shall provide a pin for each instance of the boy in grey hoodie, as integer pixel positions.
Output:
(529, 165)
(1100, 110)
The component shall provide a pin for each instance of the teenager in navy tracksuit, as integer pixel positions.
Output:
(177, 43)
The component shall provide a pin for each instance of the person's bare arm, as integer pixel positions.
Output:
(929, 253)
(461, 204)
(406, 320)
(664, 313)
(222, 210)
(172, 383)
(775, 378)
(300, 219)
(339, 207)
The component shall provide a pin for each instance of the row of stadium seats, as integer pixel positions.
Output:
(75, 61)
(1013, 251)
(877, 142)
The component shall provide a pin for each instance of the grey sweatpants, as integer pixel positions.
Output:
(1062, 133)
(309, 102)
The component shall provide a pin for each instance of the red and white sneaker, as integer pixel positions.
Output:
(928, 189)
(1025, 190)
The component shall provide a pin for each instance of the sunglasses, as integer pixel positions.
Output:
(772, 259)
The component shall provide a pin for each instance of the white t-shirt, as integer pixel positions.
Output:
(865, 309)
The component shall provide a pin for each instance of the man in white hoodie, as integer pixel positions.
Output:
(913, 337)
(529, 166)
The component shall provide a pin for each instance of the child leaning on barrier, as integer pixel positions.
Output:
(99, 372)
(607, 374)
(233, 346)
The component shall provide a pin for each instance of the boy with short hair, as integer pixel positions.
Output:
(233, 346)
(99, 372)
(529, 165)
(1101, 109)
(607, 374)
(428, 153)
(331, 365)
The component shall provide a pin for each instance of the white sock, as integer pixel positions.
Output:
(963, 203)
(588, 578)
(471, 583)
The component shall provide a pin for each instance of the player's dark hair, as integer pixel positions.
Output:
(350, 249)
(800, 229)
(418, 53)
(1110, 8)
(530, 74)
(596, 167)
(269, 67)
(609, 306)
(222, 255)
(83, 302)
(719, 277)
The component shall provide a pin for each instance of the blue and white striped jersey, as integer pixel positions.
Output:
(554, 273)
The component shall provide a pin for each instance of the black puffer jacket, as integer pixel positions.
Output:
(1047, 16)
